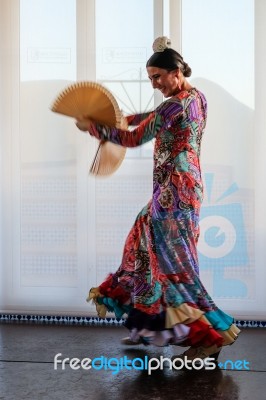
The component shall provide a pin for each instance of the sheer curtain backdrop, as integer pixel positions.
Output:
(62, 230)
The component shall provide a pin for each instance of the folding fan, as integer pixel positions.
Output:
(94, 101)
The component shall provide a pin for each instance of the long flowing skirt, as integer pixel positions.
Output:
(158, 287)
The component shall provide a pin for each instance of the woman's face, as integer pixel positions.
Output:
(165, 81)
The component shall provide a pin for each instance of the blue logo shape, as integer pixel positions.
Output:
(214, 237)
(222, 243)
(222, 237)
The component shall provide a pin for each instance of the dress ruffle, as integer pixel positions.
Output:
(185, 325)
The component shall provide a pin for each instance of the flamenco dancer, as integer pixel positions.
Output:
(157, 284)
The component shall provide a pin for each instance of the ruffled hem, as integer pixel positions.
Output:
(185, 325)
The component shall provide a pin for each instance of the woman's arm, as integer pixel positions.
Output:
(157, 121)
(136, 119)
(145, 132)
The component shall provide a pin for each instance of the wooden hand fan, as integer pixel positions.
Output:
(94, 101)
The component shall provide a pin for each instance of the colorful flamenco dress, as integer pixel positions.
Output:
(157, 284)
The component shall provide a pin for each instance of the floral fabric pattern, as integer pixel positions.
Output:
(159, 273)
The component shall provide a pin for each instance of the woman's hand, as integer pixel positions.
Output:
(84, 124)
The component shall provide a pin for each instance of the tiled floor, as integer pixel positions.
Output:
(27, 367)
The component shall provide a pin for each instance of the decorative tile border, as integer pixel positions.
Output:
(68, 320)
(58, 319)
(250, 324)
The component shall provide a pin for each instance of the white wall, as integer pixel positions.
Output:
(259, 151)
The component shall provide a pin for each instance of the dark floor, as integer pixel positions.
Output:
(27, 367)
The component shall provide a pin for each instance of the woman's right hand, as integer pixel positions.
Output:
(84, 124)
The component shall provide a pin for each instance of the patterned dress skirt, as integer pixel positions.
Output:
(158, 288)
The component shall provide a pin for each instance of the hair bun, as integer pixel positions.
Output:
(161, 43)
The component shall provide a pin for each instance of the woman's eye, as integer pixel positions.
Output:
(154, 77)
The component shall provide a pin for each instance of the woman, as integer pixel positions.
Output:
(157, 283)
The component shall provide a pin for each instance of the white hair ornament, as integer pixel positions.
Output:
(161, 43)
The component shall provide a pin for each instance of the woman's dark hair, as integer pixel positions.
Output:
(170, 60)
